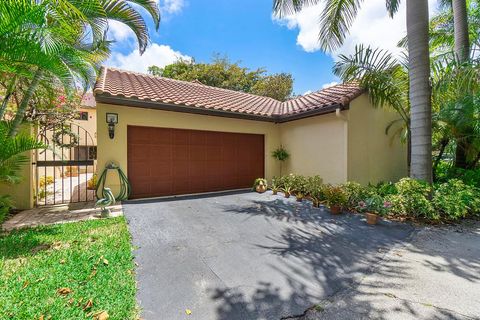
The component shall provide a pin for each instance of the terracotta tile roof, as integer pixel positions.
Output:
(140, 87)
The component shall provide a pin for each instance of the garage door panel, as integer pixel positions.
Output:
(165, 161)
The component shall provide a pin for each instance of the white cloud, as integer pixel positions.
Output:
(159, 55)
(330, 84)
(171, 6)
(372, 26)
(119, 31)
(307, 92)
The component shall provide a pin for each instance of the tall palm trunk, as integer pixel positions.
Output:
(420, 90)
(462, 50)
(22, 108)
(460, 29)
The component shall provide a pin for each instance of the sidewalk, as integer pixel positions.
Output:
(57, 214)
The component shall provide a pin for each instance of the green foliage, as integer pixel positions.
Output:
(316, 190)
(6, 205)
(260, 182)
(280, 154)
(300, 186)
(454, 200)
(355, 193)
(374, 204)
(222, 73)
(92, 258)
(12, 151)
(336, 196)
(445, 171)
(287, 183)
(412, 199)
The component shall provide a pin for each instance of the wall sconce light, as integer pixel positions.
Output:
(112, 120)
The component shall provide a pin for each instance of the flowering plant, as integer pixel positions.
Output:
(374, 204)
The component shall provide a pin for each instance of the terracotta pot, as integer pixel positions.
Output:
(287, 194)
(299, 199)
(315, 204)
(261, 188)
(372, 218)
(335, 209)
(274, 192)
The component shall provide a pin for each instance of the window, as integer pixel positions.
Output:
(82, 153)
(82, 115)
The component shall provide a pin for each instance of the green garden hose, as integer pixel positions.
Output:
(125, 187)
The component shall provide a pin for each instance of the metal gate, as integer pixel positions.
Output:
(65, 172)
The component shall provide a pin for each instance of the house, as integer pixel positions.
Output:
(175, 137)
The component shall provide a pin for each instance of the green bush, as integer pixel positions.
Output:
(299, 186)
(6, 205)
(316, 190)
(384, 189)
(356, 193)
(412, 199)
(336, 196)
(446, 172)
(454, 199)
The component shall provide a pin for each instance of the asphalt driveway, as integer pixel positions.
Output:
(249, 256)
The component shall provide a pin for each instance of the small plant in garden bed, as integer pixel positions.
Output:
(299, 187)
(336, 198)
(316, 190)
(275, 185)
(373, 207)
(287, 185)
(260, 185)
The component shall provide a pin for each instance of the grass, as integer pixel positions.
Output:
(68, 271)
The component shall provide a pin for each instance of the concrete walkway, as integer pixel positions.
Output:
(57, 214)
(436, 275)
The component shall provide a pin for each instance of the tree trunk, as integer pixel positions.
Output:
(443, 145)
(20, 114)
(462, 50)
(420, 91)
(8, 94)
(460, 29)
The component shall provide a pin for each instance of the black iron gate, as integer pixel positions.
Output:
(66, 170)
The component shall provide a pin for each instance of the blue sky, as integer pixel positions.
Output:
(245, 31)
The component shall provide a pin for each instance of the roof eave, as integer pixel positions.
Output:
(138, 103)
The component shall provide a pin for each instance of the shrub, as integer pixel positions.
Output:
(446, 172)
(299, 186)
(335, 196)
(287, 184)
(45, 181)
(356, 193)
(412, 199)
(275, 185)
(454, 199)
(384, 189)
(92, 183)
(6, 205)
(374, 204)
(316, 190)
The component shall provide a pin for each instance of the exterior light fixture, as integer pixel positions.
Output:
(112, 120)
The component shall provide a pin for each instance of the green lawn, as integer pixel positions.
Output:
(68, 271)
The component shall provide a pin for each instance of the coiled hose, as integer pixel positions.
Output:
(125, 187)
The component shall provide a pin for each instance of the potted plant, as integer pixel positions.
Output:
(299, 187)
(260, 185)
(275, 185)
(281, 155)
(316, 190)
(373, 207)
(287, 185)
(336, 198)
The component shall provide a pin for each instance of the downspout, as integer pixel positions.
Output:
(341, 116)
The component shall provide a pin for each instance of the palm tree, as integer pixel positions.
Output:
(337, 18)
(11, 152)
(64, 41)
(460, 27)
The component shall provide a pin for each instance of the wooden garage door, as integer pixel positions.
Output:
(164, 161)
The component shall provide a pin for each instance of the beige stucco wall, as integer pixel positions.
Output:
(373, 156)
(22, 193)
(116, 149)
(317, 146)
